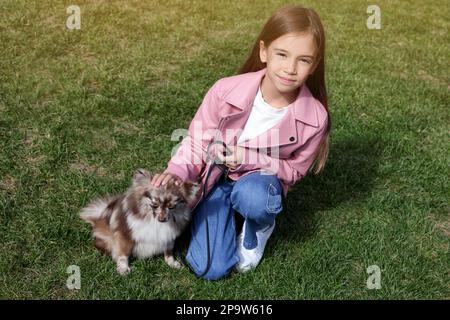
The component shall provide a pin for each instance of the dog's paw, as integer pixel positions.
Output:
(174, 263)
(123, 269)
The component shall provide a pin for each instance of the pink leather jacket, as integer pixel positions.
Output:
(287, 150)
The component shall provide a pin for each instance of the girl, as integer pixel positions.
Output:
(273, 116)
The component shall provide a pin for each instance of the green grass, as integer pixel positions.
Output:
(80, 110)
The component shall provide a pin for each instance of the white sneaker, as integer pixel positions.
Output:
(250, 258)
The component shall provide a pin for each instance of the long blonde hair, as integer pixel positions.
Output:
(298, 19)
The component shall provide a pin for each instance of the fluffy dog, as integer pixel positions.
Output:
(142, 222)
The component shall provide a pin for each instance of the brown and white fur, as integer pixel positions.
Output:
(142, 222)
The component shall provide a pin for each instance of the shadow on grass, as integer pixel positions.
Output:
(348, 175)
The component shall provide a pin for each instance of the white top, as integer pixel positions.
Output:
(262, 118)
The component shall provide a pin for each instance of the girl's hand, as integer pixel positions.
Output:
(162, 179)
(234, 159)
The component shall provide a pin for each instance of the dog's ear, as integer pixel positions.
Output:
(140, 176)
(189, 190)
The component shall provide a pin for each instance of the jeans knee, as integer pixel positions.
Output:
(219, 267)
(215, 273)
(258, 202)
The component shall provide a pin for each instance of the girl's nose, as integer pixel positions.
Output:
(291, 67)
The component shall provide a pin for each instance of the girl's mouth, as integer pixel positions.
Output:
(286, 81)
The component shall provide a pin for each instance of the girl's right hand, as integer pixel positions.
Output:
(162, 179)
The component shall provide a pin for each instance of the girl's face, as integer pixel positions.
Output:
(290, 60)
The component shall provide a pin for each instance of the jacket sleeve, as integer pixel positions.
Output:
(189, 159)
(289, 170)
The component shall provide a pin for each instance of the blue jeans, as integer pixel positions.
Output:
(257, 197)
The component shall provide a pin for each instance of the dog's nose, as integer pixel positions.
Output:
(163, 219)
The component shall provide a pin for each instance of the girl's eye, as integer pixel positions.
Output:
(304, 60)
(281, 54)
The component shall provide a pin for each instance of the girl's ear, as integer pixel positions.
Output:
(262, 52)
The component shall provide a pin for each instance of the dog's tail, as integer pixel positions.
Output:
(95, 210)
(97, 214)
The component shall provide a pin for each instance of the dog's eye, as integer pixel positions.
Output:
(171, 206)
(154, 204)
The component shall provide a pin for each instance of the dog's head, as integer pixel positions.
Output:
(163, 202)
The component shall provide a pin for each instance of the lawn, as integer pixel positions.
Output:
(80, 110)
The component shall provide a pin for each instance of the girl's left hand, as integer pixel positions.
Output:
(234, 159)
